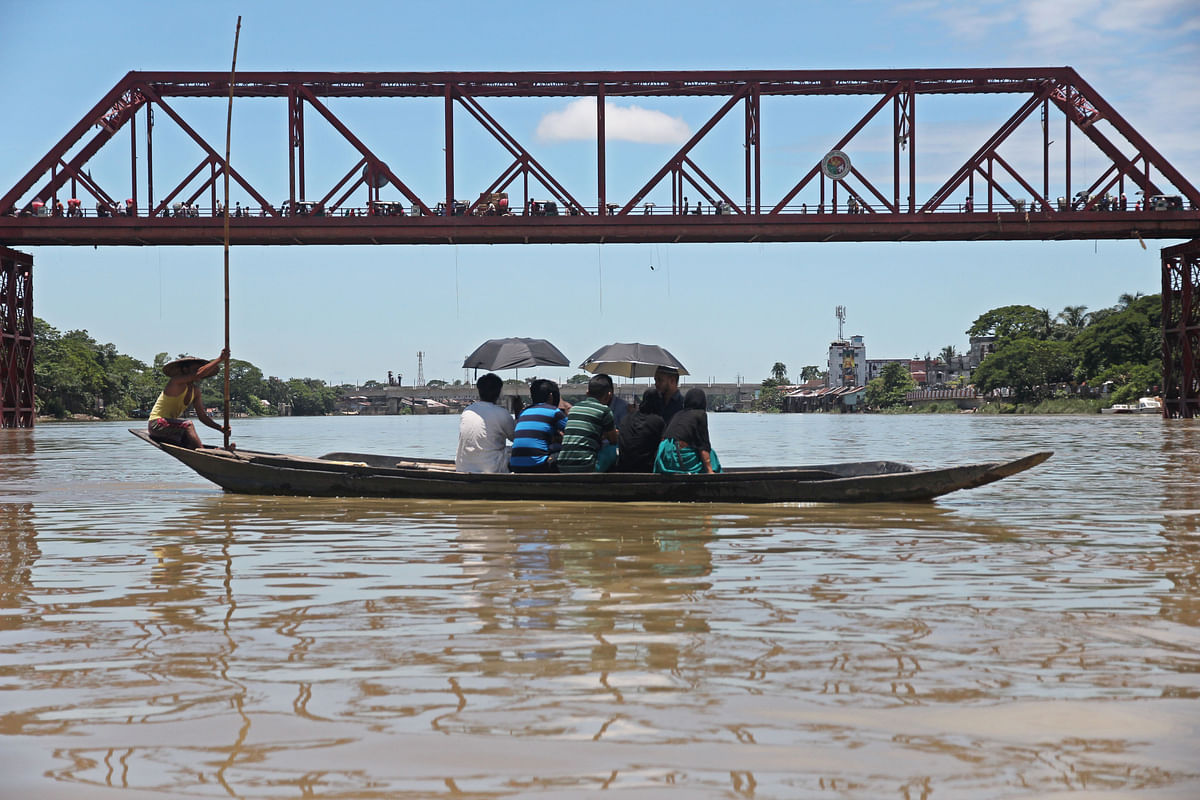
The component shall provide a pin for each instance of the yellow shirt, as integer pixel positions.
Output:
(166, 407)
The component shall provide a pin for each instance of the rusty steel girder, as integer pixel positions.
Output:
(16, 339)
(1181, 330)
(857, 206)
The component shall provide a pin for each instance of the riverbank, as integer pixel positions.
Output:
(1057, 406)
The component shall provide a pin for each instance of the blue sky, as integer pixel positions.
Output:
(353, 313)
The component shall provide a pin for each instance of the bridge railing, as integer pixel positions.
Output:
(802, 209)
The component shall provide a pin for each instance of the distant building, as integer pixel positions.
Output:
(981, 347)
(875, 366)
(847, 362)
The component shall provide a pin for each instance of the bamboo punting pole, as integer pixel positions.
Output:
(228, 130)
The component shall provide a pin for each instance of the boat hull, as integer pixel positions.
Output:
(362, 475)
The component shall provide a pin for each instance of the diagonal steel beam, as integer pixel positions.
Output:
(171, 195)
(59, 151)
(90, 185)
(987, 148)
(711, 183)
(358, 165)
(207, 148)
(878, 195)
(842, 142)
(1130, 133)
(362, 148)
(516, 148)
(675, 160)
(1042, 200)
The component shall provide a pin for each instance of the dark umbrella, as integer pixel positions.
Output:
(631, 360)
(516, 353)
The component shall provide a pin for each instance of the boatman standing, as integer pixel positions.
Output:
(182, 392)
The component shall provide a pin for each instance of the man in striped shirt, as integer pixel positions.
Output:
(589, 426)
(539, 430)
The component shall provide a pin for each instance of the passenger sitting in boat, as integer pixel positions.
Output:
(685, 446)
(539, 430)
(590, 435)
(167, 423)
(640, 435)
(484, 429)
(666, 381)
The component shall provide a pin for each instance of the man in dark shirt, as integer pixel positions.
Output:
(640, 435)
(666, 381)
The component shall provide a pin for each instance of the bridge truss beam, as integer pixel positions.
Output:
(16, 339)
(1181, 330)
(865, 205)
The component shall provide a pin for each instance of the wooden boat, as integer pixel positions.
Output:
(363, 475)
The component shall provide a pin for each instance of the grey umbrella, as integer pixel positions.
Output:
(516, 353)
(631, 360)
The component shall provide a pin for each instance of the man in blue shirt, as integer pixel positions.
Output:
(539, 430)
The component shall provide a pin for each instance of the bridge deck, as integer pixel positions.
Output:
(978, 226)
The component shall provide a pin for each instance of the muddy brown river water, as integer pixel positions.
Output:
(1039, 637)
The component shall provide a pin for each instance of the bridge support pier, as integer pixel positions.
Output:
(16, 339)
(1181, 330)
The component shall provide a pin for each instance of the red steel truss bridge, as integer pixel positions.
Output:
(1021, 187)
(1018, 178)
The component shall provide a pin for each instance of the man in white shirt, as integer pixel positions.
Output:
(484, 430)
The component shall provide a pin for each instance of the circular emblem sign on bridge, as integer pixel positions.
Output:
(835, 165)
(375, 174)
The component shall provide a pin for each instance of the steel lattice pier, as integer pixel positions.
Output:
(16, 339)
(1181, 330)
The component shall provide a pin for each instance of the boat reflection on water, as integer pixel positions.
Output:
(610, 583)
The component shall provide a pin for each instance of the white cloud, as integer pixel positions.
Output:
(621, 123)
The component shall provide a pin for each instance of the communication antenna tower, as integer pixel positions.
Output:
(840, 313)
(420, 368)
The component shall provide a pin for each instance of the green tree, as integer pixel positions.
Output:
(888, 390)
(1130, 381)
(1074, 319)
(582, 377)
(246, 386)
(1130, 336)
(311, 397)
(74, 374)
(770, 398)
(276, 392)
(1027, 366)
(1126, 301)
(948, 354)
(1011, 322)
(810, 373)
(779, 373)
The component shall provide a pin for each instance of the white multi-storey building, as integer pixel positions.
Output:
(847, 362)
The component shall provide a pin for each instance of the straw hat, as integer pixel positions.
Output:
(182, 365)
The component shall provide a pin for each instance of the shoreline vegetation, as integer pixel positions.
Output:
(1072, 363)
(1062, 406)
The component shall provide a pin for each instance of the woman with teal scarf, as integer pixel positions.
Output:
(685, 447)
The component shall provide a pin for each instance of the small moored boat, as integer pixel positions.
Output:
(364, 475)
